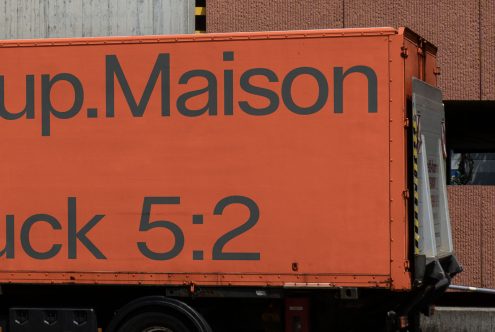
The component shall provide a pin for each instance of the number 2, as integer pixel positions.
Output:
(254, 214)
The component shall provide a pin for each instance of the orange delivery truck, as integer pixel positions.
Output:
(270, 181)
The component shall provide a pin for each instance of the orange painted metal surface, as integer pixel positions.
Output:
(224, 159)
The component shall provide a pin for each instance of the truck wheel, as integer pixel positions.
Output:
(153, 322)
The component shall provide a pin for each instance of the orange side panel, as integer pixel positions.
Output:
(236, 170)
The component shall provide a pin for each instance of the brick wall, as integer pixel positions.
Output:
(464, 31)
(472, 214)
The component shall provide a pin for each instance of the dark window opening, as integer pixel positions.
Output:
(470, 130)
(200, 17)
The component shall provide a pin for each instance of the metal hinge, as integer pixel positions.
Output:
(404, 52)
(405, 194)
(407, 265)
(406, 123)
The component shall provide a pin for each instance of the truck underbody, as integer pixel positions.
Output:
(111, 308)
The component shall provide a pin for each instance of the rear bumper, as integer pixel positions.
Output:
(436, 278)
(431, 281)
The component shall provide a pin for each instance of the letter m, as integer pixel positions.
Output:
(113, 69)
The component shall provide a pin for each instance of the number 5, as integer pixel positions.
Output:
(146, 225)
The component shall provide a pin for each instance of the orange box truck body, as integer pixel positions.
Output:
(251, 159)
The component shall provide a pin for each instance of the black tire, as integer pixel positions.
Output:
(153, 322)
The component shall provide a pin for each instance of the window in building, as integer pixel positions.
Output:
(470, 127)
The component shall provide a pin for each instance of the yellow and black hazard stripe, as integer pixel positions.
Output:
(416, 145)
(200, 16)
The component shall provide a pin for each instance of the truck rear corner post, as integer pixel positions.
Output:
(433, 263)
(208, 184)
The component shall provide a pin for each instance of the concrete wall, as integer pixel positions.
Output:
(82, 18)
(463, 30)
(448, 319)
